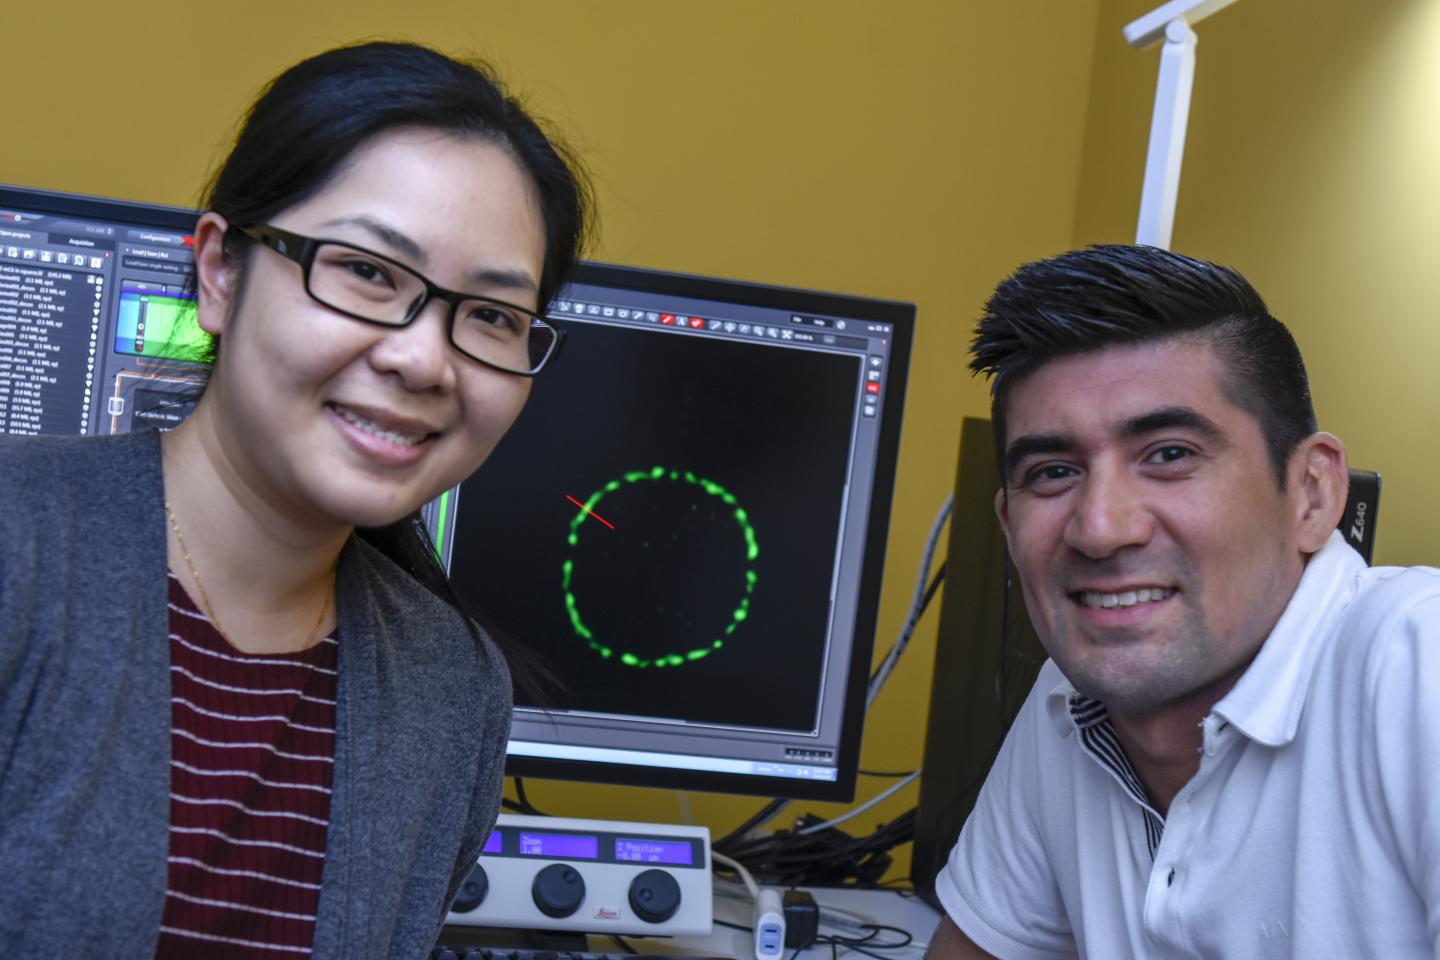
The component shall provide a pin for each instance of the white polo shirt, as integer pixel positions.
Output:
(1312, 828)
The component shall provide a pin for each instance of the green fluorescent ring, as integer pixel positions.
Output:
(742, 610)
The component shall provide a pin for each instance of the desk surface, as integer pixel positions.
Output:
(887, 907)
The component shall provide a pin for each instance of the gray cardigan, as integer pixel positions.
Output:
(422, 718)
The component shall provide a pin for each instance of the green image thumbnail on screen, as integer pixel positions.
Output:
(160, 325)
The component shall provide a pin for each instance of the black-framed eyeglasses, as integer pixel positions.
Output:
(365, 285)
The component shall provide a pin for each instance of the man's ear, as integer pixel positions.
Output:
(1002, 511)
(215, 279)
(1320, 475)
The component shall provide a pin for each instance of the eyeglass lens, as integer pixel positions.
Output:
(384, 292)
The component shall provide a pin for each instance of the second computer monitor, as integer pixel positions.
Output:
(687, 523)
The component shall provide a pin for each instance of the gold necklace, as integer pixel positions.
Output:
(205, 597)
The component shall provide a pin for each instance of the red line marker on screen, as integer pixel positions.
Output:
(589, 511)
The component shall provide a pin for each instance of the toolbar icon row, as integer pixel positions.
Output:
(684, 321)
(600, 310)
(51, 256)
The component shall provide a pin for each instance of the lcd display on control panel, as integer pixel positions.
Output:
(559, 846)
(654, 851)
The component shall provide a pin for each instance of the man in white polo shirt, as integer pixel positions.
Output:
(1234, 751)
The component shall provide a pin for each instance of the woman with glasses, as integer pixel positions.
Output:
(293, 743)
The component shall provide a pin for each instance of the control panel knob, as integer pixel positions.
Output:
(654, 896)
(558, 890)
(472, 891)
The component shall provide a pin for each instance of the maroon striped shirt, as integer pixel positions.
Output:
(252, 764)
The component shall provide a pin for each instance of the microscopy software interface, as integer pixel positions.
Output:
(683, 507)
(97, 329)
(686, 523)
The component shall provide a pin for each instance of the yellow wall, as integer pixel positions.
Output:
(1313, 166)
(913, 150)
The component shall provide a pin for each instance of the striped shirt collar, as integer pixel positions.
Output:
(1088, 719)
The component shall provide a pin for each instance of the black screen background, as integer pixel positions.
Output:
(771, 425)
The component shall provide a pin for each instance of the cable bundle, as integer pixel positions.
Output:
(827, 857)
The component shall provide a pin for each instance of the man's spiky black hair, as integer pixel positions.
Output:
(1114, 294)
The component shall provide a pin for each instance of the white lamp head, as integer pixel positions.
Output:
(1150, 29)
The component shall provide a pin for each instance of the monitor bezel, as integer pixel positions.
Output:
(901, 318)
(135, 212)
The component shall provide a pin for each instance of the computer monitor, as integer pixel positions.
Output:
(687, 522)
(97, 332)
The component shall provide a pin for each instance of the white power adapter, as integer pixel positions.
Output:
(769, 925)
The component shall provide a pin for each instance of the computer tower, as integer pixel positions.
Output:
(986, 659)
(1362, 510)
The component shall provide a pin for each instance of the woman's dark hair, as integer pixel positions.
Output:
(307, 123)
(1113, 294)
(301, 132)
